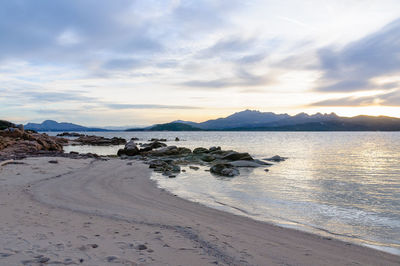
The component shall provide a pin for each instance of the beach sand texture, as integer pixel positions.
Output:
(95, 212)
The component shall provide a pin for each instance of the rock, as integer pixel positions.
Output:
(213, 148)
(43, 260)
(100, 141)
(113, 259)
(157, 164)
(16, 143)
(153, 145)
(176, 168)
(276, 158)
(194, 167)
(130, 149)
(170, 150)
(262, 162)
(155, 139)
(236, 156)
(141, 247)
(53, 161)
(207, 158)
(70, 134)
(224, 170)
(177, 139)
(266, 170)
(134, 138)
(200, 150)
(243, 163)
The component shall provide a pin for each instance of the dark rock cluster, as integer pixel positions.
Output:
(168, 159)
(98, 141)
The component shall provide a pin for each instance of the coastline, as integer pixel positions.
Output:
(62, 211)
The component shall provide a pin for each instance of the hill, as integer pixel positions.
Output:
(5, 124)
(173, 126)
(51, 125)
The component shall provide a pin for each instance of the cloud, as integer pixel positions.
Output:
(353, 67)
(118, 106)
(386, 99)
(44, 97)
(123, 64)
(233, 44)
(239, 78)
(253, 58)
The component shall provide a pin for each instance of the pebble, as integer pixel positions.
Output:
(141, 247)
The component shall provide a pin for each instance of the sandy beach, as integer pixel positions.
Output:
(96, 212)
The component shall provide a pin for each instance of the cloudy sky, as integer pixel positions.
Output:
(126, 62)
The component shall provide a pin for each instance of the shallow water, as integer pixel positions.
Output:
(339, 184)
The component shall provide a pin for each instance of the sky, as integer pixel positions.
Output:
(126, 62)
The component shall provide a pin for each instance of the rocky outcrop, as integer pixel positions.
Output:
(224, 170)
(200, 150)
(242, 163)
(16, 143)
(168, 159)
(130, 149)
(152, 145)
(167, 167)
(170, 150)
(98, 141)
(70, 134)
(155, 139)
(236, 156)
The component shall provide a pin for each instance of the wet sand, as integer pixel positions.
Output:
(93, 212)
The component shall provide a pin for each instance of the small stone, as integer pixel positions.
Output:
(276, 158)
(53, 161)
(141, 247)
(43, 260)
(112, 259)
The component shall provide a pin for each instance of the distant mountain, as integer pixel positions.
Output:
(51, 125)
(173, 126)
(249, 120)
(256, 119)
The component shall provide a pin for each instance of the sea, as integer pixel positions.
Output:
(343, 185)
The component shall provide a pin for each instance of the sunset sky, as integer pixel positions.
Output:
(124, 62)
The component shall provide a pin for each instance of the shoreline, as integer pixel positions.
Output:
(121, 194)
(292, 225)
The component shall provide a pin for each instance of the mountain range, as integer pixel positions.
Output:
(250, 120)
(51, 125)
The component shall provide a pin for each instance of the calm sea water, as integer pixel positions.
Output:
(337, 184)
